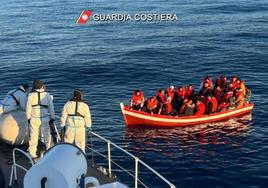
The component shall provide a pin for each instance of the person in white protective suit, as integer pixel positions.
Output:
(75, 119)
(15, 99)
(40, 114)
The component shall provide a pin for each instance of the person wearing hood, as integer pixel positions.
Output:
(40, 114)
(15, 99)
(75, 119)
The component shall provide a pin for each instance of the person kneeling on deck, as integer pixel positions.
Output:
(40, 114)
(137, 100)
(75, 119)
(15, 99)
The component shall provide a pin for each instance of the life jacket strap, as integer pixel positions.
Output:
(14, 97)
(39, 101)
(76, 113)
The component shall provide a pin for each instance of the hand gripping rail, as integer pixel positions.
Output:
(136, 159)
(15, 165)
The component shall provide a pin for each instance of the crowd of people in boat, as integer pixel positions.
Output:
(223, 95)
(38, 105)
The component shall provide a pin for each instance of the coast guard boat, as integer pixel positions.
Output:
(65, 165)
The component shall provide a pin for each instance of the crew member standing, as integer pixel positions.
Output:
(75, 119)
(40, 113)
(14, 99)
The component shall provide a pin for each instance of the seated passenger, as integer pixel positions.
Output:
(161, 96)
(170, 92)
(167, 108)
(153, 106)
(240, 98)
(189, 91)
(200, 108)
(180, 95)
(206, 90)
(219, 94)
(230, 97)
(221, 82)
(208, 80)
(211, 104)
(15, 99)
(190, 108)
(185, 103)
(234, 82)
(137, 100)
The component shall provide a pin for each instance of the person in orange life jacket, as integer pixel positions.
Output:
(153, 106)
(137, 100)
(221, 82)
(167, 108)
(208, 80)
(211, 104)
(240, 98)
(160, 95)
(189, 91)
(200, 108)
(180, 96)
(170, 92)
(234, 83)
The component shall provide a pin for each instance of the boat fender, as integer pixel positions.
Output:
(92, 181)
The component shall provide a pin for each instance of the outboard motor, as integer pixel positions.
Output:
(64, 165)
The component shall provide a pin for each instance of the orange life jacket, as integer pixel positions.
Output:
(170, 93)
(152, 104)
(228, 95)
(168, 107)
(200, 109)
(189, 92)
(137, 100)
(214, 104)
(161, 97)
(181, 93)
(223, 105)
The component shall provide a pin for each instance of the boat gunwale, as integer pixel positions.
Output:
(183, 119)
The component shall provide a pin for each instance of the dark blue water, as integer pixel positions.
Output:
(39, 39)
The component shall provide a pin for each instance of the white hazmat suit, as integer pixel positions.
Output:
(40, 111)
(14, 100)
(76, 117)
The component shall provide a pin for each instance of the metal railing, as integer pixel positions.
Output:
(136, 159)
(15, 165)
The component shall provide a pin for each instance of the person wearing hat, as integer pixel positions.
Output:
(15, 99)
(75, 119)
(40, 114)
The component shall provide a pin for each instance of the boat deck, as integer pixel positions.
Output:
(6, 163)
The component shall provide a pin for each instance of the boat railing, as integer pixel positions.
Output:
(15, 165)
(137, 162)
